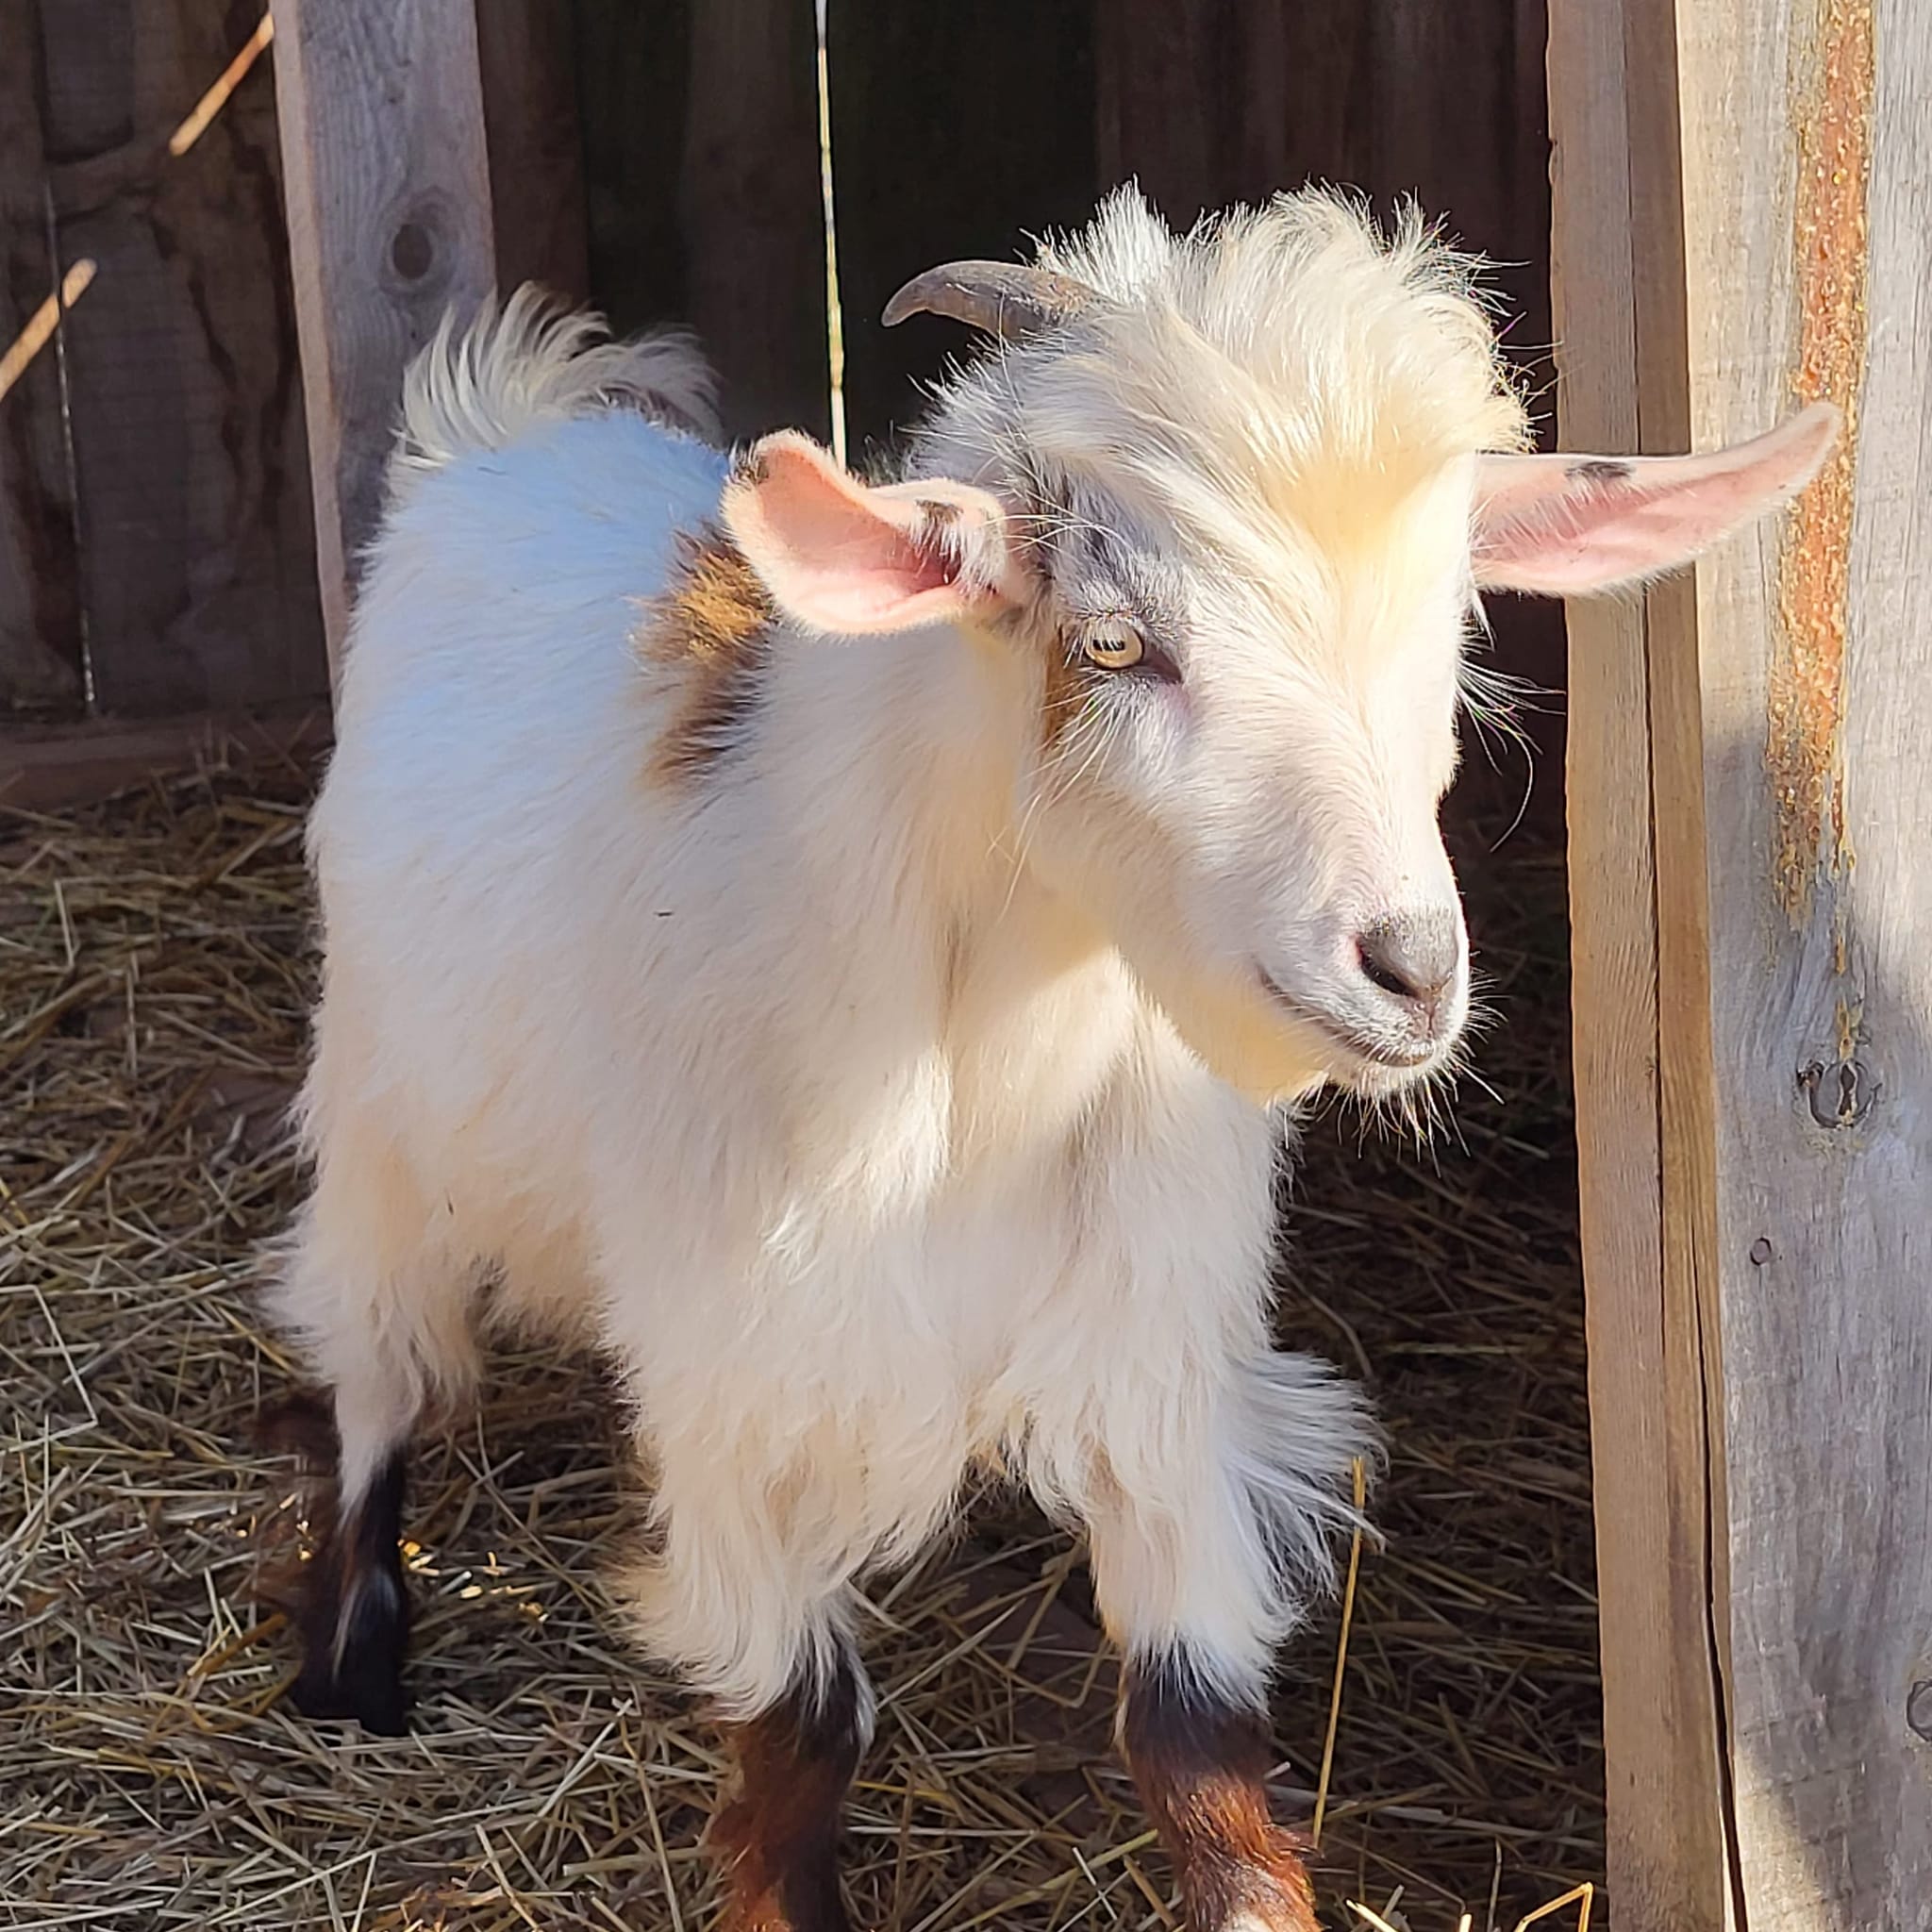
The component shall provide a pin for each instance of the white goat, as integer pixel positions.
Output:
(846, 948)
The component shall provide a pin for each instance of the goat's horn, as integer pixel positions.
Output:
(1002, 297)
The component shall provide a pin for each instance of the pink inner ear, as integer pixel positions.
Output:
(854, 560)
(1583, 533)
(840, 555)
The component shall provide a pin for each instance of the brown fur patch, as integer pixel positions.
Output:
(1200, 1764)
(1063, 691)
(780, 1833)
(712, 627)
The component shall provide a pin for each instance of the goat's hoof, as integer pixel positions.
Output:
(369, 1694)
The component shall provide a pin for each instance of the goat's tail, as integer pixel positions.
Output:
(531, 361)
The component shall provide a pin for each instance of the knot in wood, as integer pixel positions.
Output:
(1840, 1092)
(1919, 1709)
(422, 249)
(411, 252)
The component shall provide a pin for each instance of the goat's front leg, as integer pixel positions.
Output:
(780, 1833)
(749, 1613)
(1200, 1758)
(1212, 1525)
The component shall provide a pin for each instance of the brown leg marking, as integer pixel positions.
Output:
(780, 1834)
(1200, 1764)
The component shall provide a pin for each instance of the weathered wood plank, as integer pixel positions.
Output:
(196, 553)
(47, 768)
(389, 223)
(1662, 1723)
(39, 587)
(1789, 807)
(1816, 655)
(527, 53)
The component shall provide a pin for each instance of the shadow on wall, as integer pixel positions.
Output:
(1824, 1053)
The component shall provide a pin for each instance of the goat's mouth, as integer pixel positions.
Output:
(1384, 1056)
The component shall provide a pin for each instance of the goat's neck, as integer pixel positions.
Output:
(893, 783)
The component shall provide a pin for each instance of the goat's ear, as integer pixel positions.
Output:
(1569, 525)
(842, 556)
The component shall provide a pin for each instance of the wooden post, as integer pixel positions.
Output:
(388, 178)
(1742, 219)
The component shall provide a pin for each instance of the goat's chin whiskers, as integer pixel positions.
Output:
(1417, 1110)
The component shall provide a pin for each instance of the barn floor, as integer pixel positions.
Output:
(154, 960)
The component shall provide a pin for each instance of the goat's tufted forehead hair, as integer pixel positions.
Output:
(1288, 356)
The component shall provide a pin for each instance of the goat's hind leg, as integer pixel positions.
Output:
(382, 1314)
(354, 1613)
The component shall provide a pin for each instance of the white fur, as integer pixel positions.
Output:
(509, 372)
(894, 1099)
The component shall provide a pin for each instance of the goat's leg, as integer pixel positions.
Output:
(1202, 1544)
(354, 1617)
(1200, 1758)
(371, 1285)
(1182, 1595)
(753, 1612)
(780, 1832)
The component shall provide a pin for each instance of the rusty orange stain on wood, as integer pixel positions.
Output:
(1803, 751)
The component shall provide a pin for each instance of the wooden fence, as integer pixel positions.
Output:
(1744, 215)
(157, 556)
(156, 534)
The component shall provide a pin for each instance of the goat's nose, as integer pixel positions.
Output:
(1414, 955)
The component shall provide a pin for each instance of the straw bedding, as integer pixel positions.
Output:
(155, 959)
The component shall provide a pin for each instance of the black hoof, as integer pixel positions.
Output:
(370, 1692)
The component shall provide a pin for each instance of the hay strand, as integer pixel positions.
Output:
(1355, 1563)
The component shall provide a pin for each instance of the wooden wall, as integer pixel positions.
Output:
(700, 135)
(154, 496)
(1752, 809)
(662, 160)
(40, 589)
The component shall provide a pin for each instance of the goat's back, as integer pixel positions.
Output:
(487, 805)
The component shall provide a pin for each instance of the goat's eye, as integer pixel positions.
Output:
(1118, 648)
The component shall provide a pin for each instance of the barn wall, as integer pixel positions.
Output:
(156, 531)
(152, 463)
